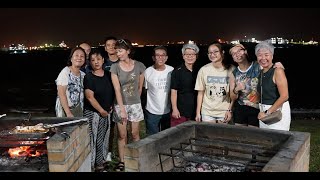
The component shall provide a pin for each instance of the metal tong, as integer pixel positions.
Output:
(3, 115)
(48, 126)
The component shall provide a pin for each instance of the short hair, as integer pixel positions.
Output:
(160, 47)
(264, 45)
(109, 38)
(96, 52)
(69, 63)
(125, 44)
(190, 46)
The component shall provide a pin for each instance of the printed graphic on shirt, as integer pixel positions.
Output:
(74, 88)
(162, 83)
(217, 88)
(128, 89)
(249, 96)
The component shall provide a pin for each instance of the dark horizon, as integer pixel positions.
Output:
(35, 26)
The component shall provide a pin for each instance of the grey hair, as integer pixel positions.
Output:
(190, 46)
(264, 45)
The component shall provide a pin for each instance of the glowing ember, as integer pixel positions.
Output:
(25, 151)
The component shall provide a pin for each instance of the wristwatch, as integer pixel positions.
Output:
(266, 112)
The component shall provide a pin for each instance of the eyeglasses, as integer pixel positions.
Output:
(160, 55)
(240, 50)
(123, 41)
(214, 52)
(192, 55)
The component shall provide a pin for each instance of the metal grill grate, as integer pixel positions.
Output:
(218, 155)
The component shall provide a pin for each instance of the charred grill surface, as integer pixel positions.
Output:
(218, 155)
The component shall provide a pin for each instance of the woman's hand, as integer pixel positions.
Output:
(176, 113)
(69, 114)
(227, 117)
(261, 115)
(124, 115)
(198, 118)
(104, 113)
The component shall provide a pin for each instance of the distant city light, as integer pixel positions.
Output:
(21, 48)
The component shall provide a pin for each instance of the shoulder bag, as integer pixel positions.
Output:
(273, 117)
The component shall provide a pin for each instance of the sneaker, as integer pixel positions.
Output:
(109, 157)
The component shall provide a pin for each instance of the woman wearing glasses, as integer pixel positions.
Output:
(183, 94)
(214, 103)
(127, 77)
(244, 91)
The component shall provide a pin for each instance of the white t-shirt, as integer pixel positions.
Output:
(157, 84)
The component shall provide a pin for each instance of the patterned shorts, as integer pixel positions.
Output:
(134, 111)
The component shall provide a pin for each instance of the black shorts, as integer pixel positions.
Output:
(246, 115)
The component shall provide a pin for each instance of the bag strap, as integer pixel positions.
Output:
(261, 76)
(79, 90)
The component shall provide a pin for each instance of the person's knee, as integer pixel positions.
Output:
(122, 136)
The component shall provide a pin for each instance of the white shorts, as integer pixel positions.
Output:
(206, 118)
(284, 123)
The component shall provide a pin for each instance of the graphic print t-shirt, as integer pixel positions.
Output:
(129, 82)
(215, 83)
(249, 96)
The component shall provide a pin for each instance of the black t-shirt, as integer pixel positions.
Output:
(183, 80)
(107, 63)
(102, 88)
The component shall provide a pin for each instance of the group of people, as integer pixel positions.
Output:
(107, 89)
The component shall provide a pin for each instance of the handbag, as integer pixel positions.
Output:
(273, 117)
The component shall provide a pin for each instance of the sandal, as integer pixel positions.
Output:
(99, 169)
(120, 167)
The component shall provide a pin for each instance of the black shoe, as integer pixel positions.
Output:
(120, 167)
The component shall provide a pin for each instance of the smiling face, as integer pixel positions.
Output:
(238, 54)
(160, 57)
(214, 54)
(78, 58)
(264, 57)
(190, 56)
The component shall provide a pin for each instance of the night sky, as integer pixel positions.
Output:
(35, 26)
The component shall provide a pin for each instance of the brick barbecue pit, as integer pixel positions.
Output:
(68, 149)
(195, 147)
